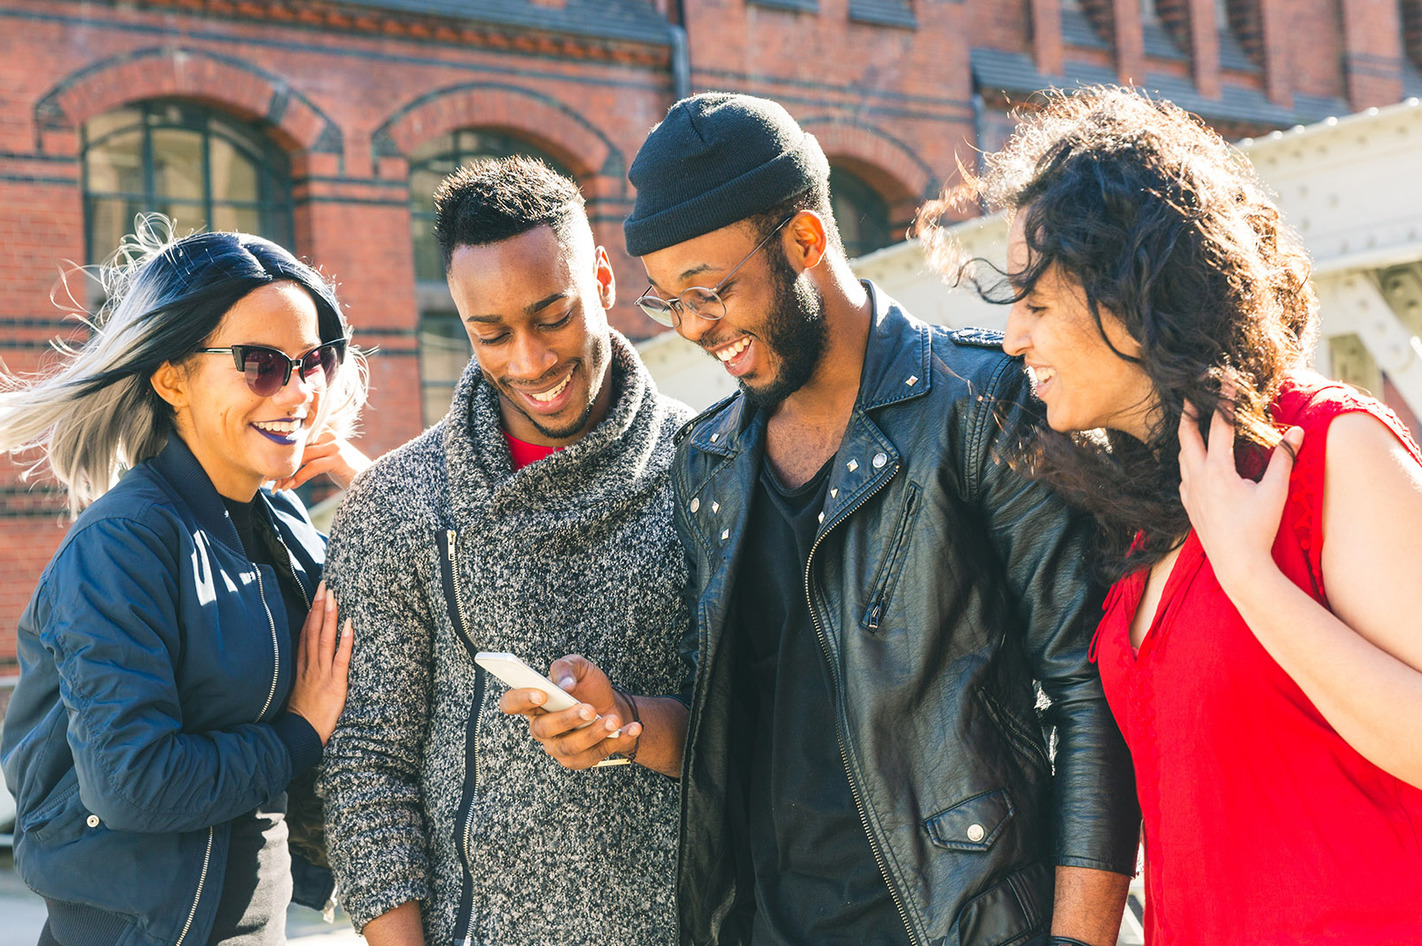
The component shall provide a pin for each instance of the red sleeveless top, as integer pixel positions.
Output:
(1262, 825)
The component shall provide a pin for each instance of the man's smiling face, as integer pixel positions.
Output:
(535, 309)
(773, 335)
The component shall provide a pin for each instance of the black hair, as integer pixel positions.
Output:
(498, 198)
(1167, 228)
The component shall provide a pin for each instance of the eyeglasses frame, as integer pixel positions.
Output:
(674, 306)
(239, 358)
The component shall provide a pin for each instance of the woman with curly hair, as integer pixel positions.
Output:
(179, 660)
(1262, 526)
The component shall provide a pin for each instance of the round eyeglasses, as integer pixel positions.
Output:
(268, 370)
(698, 300)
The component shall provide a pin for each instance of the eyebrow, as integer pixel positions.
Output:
(687, 274)
(532, 309)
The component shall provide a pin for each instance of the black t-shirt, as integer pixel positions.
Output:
(257, 882)
(816, 878)
(264, 546)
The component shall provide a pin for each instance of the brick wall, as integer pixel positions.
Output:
(897, 91)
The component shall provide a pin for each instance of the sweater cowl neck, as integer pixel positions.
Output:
(605, 463)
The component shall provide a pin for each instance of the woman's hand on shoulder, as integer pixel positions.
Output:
(1235, 518)
(335, 456)
(323, 662)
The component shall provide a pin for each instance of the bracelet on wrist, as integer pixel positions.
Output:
(636, 718)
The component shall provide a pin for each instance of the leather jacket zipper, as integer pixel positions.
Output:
(838, 734)
(202, 879)
(465, 841)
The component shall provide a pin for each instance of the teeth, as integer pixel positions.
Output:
(280, 426)
(726, 354)
(1043, 375)
(552, 393)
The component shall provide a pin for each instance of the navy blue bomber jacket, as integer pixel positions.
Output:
(156, 661)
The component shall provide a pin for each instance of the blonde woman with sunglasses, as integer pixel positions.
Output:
(180, 659)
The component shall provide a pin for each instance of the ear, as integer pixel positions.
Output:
(171, 383)
(606, 284)
(806, 240)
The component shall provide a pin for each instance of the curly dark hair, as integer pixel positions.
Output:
(1165, 226)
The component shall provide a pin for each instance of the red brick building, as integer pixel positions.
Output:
(325, 124)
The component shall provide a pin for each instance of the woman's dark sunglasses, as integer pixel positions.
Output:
(268, 370)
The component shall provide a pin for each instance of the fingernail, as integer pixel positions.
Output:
(538, 698)
(609, 726)
(585, 712)
(567, 682)
(320, 588)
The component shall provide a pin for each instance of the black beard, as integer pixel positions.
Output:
(794, 331)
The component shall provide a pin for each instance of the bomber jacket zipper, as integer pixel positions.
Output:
(271, 695)
(838, 733)
(276, 648)
(202, 879)
(465, 842)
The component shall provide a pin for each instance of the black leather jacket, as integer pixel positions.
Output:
(942, 585)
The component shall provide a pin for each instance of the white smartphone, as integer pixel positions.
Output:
(520, 676)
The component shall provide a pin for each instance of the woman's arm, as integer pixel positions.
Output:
(112, 631)
(1361, 663)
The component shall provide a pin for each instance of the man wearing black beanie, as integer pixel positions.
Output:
(878, 600)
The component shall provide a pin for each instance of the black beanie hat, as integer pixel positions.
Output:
(717, 158)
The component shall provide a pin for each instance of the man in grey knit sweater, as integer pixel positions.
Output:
(534, 518)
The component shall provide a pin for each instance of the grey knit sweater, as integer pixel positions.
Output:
(572, 554)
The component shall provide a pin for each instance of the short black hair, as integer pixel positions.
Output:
(497, 198)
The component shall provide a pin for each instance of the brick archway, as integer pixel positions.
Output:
(212, 78)
(540, 119)
(883, 161)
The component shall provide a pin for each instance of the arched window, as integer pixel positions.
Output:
(862, 215)
(444, 345)
(206, 170)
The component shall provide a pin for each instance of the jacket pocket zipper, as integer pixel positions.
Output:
(887, 578)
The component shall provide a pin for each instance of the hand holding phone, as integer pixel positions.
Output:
(520, 676)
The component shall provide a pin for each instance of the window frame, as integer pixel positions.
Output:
(274, 204)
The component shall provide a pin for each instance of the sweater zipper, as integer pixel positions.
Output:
(276, 649)
(202, 879)
(838, 734)
(453, 537)
(465, 919)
